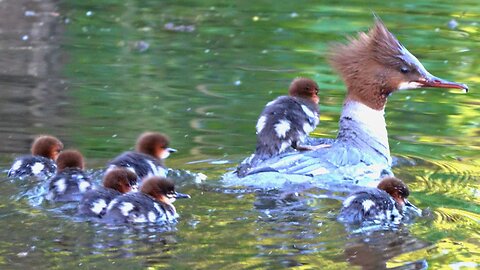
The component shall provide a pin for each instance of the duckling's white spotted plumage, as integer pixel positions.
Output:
(283, 125)
(32, 166)
(141, 164)
(68, 185)
(139, 208)
(370, 205)
(94, 202)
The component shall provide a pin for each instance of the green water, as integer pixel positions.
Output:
(205, 89)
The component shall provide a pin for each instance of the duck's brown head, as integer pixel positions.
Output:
(304, 88)
(46, 146)
(162, 189)
(120, 179)
(70, 159)
(154, 144)
(375, 64)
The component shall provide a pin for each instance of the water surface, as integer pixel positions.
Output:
(98, 73)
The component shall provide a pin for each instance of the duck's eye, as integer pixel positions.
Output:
(404, 70)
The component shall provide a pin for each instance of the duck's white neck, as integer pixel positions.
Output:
(365, 126)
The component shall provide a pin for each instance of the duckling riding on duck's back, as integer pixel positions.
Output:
(285, 123)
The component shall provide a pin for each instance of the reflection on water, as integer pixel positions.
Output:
(97, 74)
(33, 96)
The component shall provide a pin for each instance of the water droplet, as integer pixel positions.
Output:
(293, 15)
(255, 18)
(206, 51)
(30, 13)
(114, 135)
(238, 82)
(25, 37)
(193, 223)
(22, 254)
(89, 13)
(452, 24)
(142, 46)
(201, 177)
(408, 97)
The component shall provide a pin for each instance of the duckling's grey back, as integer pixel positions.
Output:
(141, 164)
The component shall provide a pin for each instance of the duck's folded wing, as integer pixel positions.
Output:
(339, 167)
(312, 163)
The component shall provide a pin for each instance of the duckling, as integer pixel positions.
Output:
(386, 203)
(70, 181)
(115, 183)
(148, 159)
(41, 163)
(285, 123)
(154, 203)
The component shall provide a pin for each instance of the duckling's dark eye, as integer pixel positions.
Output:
(404, 70)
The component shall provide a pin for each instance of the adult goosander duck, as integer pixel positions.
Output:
(151, 150)
(41, 162)
(373, 66)
(70, 181)
(386, 203)
(115, 183)
(285, 123)
(154, 204)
